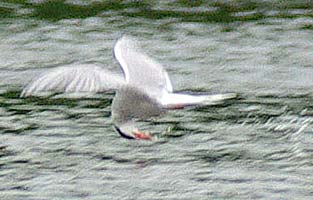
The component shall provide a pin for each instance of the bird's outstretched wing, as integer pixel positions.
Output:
(140, 70)
(74, 79)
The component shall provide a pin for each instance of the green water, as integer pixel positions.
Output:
(258, 146)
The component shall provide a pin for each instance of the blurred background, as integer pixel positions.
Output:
(258, 146)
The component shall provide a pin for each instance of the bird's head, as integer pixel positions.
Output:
(130, 132)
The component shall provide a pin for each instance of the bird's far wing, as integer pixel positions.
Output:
(140, 70)
(73, 79)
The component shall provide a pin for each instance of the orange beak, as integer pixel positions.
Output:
(142, 136)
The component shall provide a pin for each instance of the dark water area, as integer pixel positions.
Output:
(258, 146)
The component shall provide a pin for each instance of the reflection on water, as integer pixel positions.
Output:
(258, 146)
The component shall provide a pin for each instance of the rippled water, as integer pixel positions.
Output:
(259, 146)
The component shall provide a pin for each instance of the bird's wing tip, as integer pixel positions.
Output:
(229, 96)
(26, 92)
(126, 41)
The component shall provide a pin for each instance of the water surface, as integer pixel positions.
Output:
(259, 146)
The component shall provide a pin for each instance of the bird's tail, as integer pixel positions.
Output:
(217, 98)
(175, 100)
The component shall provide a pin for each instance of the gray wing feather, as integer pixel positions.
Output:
(140, 70)
(74, 78)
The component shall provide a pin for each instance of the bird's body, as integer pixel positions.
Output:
(131, 103)
(145, 91)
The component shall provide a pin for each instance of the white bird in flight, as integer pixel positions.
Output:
(145, 91)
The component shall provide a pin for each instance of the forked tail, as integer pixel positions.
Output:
(175, 100)
(218, 98)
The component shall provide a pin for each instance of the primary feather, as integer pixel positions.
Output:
(74, 79)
